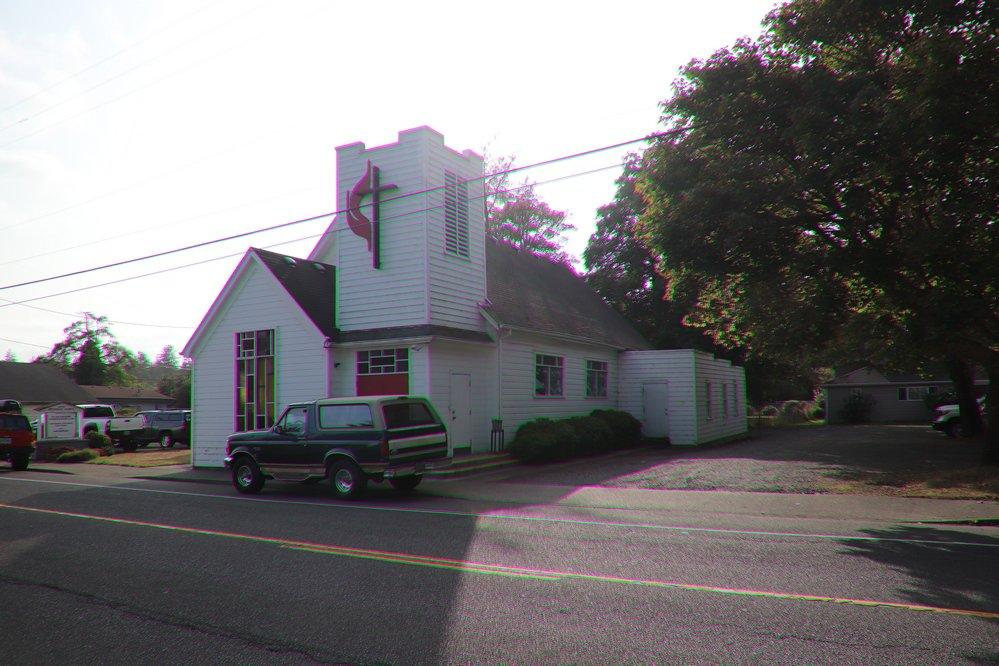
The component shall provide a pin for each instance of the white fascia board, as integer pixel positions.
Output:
(218, 305)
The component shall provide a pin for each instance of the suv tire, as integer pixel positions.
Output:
(347, 480)
(19, 461)
(246, 476)
(166, 441)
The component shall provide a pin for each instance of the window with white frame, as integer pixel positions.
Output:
(383, 361)
(915, 392)
(596, 379)
(455, 215)
(548, 375)
(708, 407)
(254, 380)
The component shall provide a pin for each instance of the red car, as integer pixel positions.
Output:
(17, 439)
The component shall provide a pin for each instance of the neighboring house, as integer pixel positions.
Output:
(405, 294)
(36, 385)
(128, 397)
(898, 398)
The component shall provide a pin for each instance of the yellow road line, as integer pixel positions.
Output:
(506, 570)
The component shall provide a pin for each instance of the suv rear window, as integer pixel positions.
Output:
(407, 415)
(98, 412)
(14, 422)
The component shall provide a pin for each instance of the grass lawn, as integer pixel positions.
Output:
(974, 483)
(146, 458)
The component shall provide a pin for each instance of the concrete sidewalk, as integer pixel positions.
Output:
(484, 489)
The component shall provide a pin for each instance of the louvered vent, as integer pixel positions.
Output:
(455, 215)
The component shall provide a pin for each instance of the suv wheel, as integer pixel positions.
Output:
(246, 476)
(952, 428)
(347, 480)
(166, 441)
(19, 461)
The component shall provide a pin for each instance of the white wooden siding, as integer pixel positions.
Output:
(456, 284)
(479, 362)
(396, 293)
(344, 380)
(718, 372)
(517, 380)
(257, 302)
(676, 368)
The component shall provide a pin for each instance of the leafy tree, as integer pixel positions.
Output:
(90, 354)
(624, 271)
(834, 181)
(516, 215)
(177, 385)
(167, 358)
(10, 356)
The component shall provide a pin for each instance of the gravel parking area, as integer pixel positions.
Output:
(908, 460)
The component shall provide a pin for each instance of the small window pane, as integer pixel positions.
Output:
(345, 416)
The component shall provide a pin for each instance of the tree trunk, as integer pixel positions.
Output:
(964, 386)
(990, 455)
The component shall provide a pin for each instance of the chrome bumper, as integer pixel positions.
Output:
(407, 469)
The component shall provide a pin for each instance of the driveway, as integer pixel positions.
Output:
(907, 460)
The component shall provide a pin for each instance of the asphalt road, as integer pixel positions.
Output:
(98, 571)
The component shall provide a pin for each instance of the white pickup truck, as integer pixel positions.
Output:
(95, 418)
(122, 430)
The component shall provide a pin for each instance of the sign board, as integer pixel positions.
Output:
(60, 422)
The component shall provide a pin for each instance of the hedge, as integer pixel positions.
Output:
(547, 440)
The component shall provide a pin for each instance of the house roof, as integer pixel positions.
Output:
(310, 283)
(534, 294)
(104, 393)
(868, 375)
(38, 383)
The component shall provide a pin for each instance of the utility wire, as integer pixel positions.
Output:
(337, 212)
(287, 242)
(21, 342)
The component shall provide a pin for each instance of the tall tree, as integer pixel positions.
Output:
(516, 215)
(167, 358)
(10, 356)
(838, 175)
(90, 353)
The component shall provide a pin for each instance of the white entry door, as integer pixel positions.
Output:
(656, 403)
(459, 432)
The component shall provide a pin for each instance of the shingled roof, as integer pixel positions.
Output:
(38, 383)
(310, 283)
(531, 293)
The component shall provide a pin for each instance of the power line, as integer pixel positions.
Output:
(337, 212)
(296, 240)
(21, 342)
(76, 314)
(108, 58)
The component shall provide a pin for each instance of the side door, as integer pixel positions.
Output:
(281, 451)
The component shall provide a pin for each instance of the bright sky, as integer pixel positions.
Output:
(129, 127)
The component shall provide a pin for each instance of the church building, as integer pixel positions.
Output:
(405, 294)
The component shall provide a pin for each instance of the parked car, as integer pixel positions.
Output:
(167, 427)
(95, 418)
(17, 441)
(10, 406)
(947, 418)
(347, 441)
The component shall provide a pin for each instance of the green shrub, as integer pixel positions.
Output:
(592, 435)
(543, 440)
(80, 455)
(769, 410)
(857, 408)
(793, 411)
(816, 411)
(625, 429)
(97, 440)
(53, 454)
(107, 451)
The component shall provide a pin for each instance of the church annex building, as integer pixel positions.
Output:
(404, 293)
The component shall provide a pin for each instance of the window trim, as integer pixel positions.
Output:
(908, 390)
(605, 373)
(245, 358)
(561, 368)
(385, 352)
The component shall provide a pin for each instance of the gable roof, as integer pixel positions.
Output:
(39, 383)
(534, 294)
(310, 283)
(103, 393)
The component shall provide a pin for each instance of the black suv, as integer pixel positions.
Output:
(168, 427)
